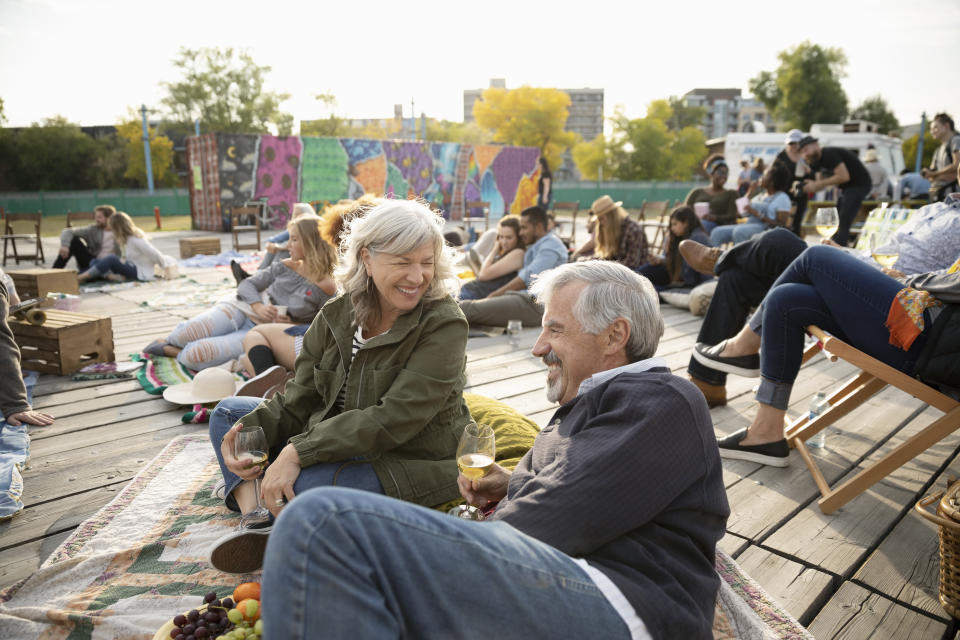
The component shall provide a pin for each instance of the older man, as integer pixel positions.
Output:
(606, 529)
(89, 242)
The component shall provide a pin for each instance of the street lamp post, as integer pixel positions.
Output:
(146, 149)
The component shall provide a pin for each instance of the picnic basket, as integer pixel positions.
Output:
(947, 518)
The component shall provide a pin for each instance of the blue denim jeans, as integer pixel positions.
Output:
(843, 296)
(350, 473)
(211, 338)
(735, 233)
(100, 267)
(358, 565)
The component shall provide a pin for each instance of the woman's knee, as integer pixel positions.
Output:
(253, 338)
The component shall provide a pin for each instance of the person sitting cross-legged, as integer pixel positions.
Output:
(607, 528)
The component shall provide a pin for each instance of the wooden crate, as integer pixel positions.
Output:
(64, 343)
(209, 245)
(37, 283)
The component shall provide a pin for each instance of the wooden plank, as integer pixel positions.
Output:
(99, 402)
(149, 407)
(802, 591)
(22, 560)
(733, 545)
(56, 517)
(854, 613)
(87, 393)
(68, 442)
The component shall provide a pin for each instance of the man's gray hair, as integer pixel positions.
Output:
(613, 291)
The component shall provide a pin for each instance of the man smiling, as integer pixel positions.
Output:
(607, 528)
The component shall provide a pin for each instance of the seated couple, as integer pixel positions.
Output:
(607, 527)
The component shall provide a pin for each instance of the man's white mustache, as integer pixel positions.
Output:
(550, 358)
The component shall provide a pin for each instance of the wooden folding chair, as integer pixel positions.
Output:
(656, 216)
(239, 223)
(477, 211)
(86, 217)
(568, 209)
(873, 377)
(10, 237)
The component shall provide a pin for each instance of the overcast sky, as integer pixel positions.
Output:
(92, 60)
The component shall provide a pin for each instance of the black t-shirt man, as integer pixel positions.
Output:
(831, 157)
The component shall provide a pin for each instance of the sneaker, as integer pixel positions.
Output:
(709, 356)
(774, 454)
(259, 385)
(240, 551)
(219, 490)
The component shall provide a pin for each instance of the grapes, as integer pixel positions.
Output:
(212, 616)
(234, 616)
(193, 615)
(180, 620)
(227, 603)
(174, 632)
(215, 604)
(258, 627)
(210, 597)
(201, 633)
(189, 629)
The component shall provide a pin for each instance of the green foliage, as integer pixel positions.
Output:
(161, 155)
(54, 155)
(805, 88)
(930, 145)
(684, 115)
(225, 91)
(644, 148)
(528, 117)
(875, 109)
(462, 132)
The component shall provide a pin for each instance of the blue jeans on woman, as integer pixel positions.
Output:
(840, 294)
(211, 338)
(736, 233)
(359, 565)
(350, 473)
(100, 267)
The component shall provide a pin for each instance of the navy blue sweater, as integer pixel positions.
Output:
(628, 477)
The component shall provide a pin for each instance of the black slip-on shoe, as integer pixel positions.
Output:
(709, 356)
(774, 454)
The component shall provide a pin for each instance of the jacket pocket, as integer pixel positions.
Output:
(325, 381)
(379, 383)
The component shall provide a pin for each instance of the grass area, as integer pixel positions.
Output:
(53, 225)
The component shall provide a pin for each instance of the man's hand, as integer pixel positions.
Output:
(64, 252)
(893, 273)
(36, 418)
(830, 243)
(277, 484)
(490, 488)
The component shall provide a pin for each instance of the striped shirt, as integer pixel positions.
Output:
(358, 341)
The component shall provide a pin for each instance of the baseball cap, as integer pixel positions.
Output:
(805, 140)
(794, 135)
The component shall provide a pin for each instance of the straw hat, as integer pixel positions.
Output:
(209, 385)
(603, 204)
(870, 155)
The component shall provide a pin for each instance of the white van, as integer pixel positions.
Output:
(747, 146)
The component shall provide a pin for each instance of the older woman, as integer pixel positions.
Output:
(501, 264)
(619, 238)
(377, 398)
(302, 283)
(722, 201)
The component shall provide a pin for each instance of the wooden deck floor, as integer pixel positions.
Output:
(867, 571)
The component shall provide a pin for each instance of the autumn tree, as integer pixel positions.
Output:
(130, 133)
(875, 109)
(594, 159)
(528, 117)
(224, 89)
(805, 88)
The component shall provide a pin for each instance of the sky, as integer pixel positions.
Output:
(93, 61)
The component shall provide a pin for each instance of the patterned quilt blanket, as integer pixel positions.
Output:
(142, 559)
(159, 372)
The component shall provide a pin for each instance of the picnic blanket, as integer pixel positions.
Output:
(14, 453)
(159, 372)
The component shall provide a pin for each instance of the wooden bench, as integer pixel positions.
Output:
(64, 343)
(207, 245)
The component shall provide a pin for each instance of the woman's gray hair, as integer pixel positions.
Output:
(613, 291)
(394, 227)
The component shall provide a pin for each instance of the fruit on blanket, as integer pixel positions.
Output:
(247, 590)
(249, 609)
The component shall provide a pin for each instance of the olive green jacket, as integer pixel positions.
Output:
(403, 409)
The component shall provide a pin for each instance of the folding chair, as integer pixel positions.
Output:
(873, 377)
(86, 217)
(10, 237)
(470, 213)
(656, 215)
(568, 208)
(239, 225)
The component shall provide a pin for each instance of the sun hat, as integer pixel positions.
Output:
(209, 385)
(603, 204)
(794, 135)
(805, 140)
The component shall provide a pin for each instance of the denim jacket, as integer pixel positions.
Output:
(403, 408)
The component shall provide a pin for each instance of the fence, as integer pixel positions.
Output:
(631, 193)
(136, 202)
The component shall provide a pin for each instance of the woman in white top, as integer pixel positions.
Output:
(137, 256)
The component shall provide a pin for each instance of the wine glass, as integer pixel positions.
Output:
(884, 247)
(251, 449)
(827, 221)
(475, 455)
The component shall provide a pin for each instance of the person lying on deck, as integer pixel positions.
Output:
(910, 323)
(607, 528)
(14, 403)
(302, 283)
(376, 402)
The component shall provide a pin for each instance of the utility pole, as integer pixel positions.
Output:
(923, 129)
(146, 149)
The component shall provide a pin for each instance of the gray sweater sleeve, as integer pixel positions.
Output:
(13, 394)
(249, 289)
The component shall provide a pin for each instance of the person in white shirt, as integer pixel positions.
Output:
(137, 256)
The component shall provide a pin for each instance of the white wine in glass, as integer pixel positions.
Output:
(475, 455)
(251, 448)
(827, 221)
(884, 248)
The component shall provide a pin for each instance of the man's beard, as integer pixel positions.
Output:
(553, 388)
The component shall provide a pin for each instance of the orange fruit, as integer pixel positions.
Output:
(247, 590)
(249, 609)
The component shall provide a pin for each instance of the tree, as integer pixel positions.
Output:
(462, 132)
(225, 91)
(528, 117)
(161, 154)
(55, 155)
(930, 145)
(592, 157)
(805, 88)
(875, 109)
(684, 115)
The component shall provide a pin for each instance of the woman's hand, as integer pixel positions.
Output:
(490, 488)
(829, 243)
(277, 484)
(266, 312)
(653, 259)
(243, 470)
